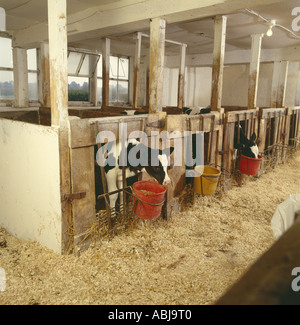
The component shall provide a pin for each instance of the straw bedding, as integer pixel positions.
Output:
(191, 259)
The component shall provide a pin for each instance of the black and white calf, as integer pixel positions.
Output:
(133, 112)
(196, 110)
(247, 147)
(137, 158)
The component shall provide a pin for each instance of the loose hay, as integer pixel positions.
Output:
(191, 259)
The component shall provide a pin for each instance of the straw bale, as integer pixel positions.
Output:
(193, 258)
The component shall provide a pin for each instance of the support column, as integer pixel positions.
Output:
(156, 73)
(105, 72)
(20, 77)
(218, 62)
(282, 84)
(279, 84)
(57, 27)
(254, 70)
(180, 100)
(292, 82)
(44, 75)
(137, 62)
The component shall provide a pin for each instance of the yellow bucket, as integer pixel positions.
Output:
(206, 184)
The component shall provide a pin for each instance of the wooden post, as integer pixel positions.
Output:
(180, 101)
(279, 84)
(93, 59)
(282, 84)
(44, 75)
(292, 82)
(105, 72)
(156, 73)
(137, 62)
(57, 26)
(254, 70)
(20, 77)
(218, 62)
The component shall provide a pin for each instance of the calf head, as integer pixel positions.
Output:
(250, 148)
(158, 164)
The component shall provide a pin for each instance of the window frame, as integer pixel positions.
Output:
(6, 69)
(118, 102)
(77, 74)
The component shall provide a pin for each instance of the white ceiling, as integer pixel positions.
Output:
(198, 35)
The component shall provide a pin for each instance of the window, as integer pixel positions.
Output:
(6, 69)
(81, 67)
(32, 75)
(119, 80)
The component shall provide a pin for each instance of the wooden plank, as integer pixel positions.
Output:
(156, 73)
(287, 125)
(218, 61)
(137, 62)
(180, 99)
(83, 180)
(254, 69)
(44, 75)
(57, 14)
(228, 146)
(282, 84)
(105, 72)
(271, 112)
(233, 116)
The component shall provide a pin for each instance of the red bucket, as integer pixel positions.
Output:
(150, 200)
(250, 166)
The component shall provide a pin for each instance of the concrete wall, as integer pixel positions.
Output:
(30, 205)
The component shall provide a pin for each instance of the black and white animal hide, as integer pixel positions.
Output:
(137, 158)
(196, 110)
(247, 147)
(133, 112)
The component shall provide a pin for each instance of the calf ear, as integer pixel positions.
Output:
(253, 137)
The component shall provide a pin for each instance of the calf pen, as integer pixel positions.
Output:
(278, 134)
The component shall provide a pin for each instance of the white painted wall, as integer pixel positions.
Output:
(197, 87)
(30, 206)
(235, 85)
(297, 102)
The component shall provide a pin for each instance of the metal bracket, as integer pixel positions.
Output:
(74, 196)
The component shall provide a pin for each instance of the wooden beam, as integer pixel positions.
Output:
(218, 62)
(282, 84)
(20, 78)
(180, 100)
(156, 74)
(128, 16)
(57, 14)
(137, 62)
(279, 81)
(254, 70)
(292, 83)
(44, 75)
(105, 72)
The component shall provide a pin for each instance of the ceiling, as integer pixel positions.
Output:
(198, 35)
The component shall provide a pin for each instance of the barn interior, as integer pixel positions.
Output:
(94, 59)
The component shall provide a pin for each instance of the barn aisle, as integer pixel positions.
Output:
(192, 259)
